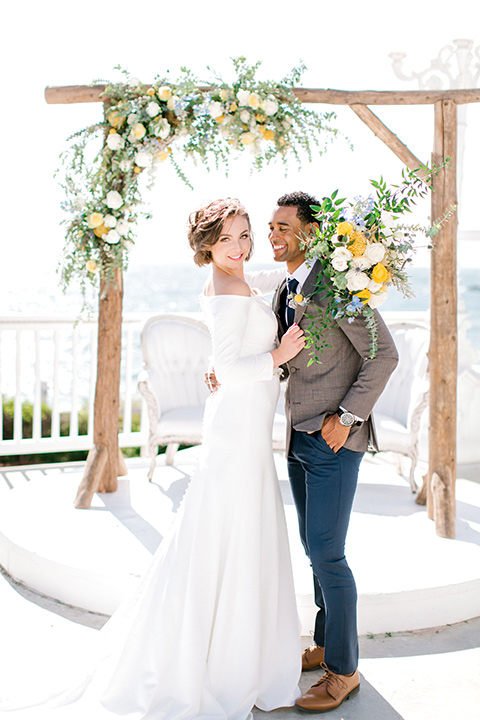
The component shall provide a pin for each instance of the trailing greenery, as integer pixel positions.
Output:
(145, 125)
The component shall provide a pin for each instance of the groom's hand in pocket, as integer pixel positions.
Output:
(334, 433)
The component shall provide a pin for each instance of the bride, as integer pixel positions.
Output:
(212, 630)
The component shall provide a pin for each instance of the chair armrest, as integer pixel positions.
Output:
(152, 405)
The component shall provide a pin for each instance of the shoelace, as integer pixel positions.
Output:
(330, 679)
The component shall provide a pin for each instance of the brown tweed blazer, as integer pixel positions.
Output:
(345, 377)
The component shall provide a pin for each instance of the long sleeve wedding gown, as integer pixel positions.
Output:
(212, 629)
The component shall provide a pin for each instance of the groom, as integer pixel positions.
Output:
(329, 426)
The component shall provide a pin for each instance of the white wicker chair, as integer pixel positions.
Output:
(176, 352)
(398, 412)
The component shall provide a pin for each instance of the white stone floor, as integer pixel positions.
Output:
(411, 674)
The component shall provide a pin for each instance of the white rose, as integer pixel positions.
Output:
(171, 102)
(153, 109)
(215, 109)
(243, 96)
(115, 141)
(398, 234)
(162, 129)
(125, 165)
(356, 280)
(114, 200)
(374, 287)
(143, 159)
(269, 106)
(377, 299)
(387, 219)
(112, 237)
(132, 118)
(245, 116)
(133, 81)
(340, 258)
(375, 252)
(110, 221)
(122, 228)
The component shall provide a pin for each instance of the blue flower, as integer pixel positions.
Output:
(355, 304)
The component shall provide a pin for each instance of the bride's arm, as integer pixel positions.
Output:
(230, 314)
(266, 280)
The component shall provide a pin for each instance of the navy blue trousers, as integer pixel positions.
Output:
(323, 485)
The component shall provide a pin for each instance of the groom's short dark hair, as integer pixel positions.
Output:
(303, 202)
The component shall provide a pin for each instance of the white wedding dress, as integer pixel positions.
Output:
(212, 629)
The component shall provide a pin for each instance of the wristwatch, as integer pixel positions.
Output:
(347, 419)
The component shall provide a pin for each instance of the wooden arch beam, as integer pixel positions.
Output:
(389, 138)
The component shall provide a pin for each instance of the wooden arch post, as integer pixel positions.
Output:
(103, 461)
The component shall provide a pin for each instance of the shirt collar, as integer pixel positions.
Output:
(301, 273)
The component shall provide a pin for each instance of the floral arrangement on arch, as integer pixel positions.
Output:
(141, 125)
(364, 248)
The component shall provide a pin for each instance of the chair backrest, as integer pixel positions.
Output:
(176, 352)
(409, 380)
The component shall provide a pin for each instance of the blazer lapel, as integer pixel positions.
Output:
(308, 289)
(277, 307)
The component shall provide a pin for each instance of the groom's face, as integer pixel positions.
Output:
(285, 235)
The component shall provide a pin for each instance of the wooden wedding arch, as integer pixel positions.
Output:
(105, 462)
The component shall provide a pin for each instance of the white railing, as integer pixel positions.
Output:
(50, 363)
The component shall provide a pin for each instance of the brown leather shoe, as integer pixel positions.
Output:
(329, 692)
(313, 657)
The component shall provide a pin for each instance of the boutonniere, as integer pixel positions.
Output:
(295, 300)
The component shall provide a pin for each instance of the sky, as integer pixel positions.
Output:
(345, 45)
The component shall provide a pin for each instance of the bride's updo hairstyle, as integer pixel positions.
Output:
(206, 224)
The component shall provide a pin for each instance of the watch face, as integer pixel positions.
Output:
(347, 419)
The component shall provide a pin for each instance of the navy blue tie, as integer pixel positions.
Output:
(292, 285)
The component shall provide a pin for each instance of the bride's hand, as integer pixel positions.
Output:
(292, 342)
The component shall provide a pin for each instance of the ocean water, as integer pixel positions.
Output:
(159, 289)
(153, 290)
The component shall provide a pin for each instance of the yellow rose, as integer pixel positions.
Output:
(233, 107)
(115, 119)
(137, 132)
(137, 169)
(298, 298)
(261, 129)
(100, 230)
(380, 273)
(94, 220)
(247, 138)
(220, 119)
(268, 135)
(254, 100)
(91, 266)
(161, 156)
(344, 228)
(358, 243)
(260, 118)
(364, 295)
(151, 91)
(164, 92)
